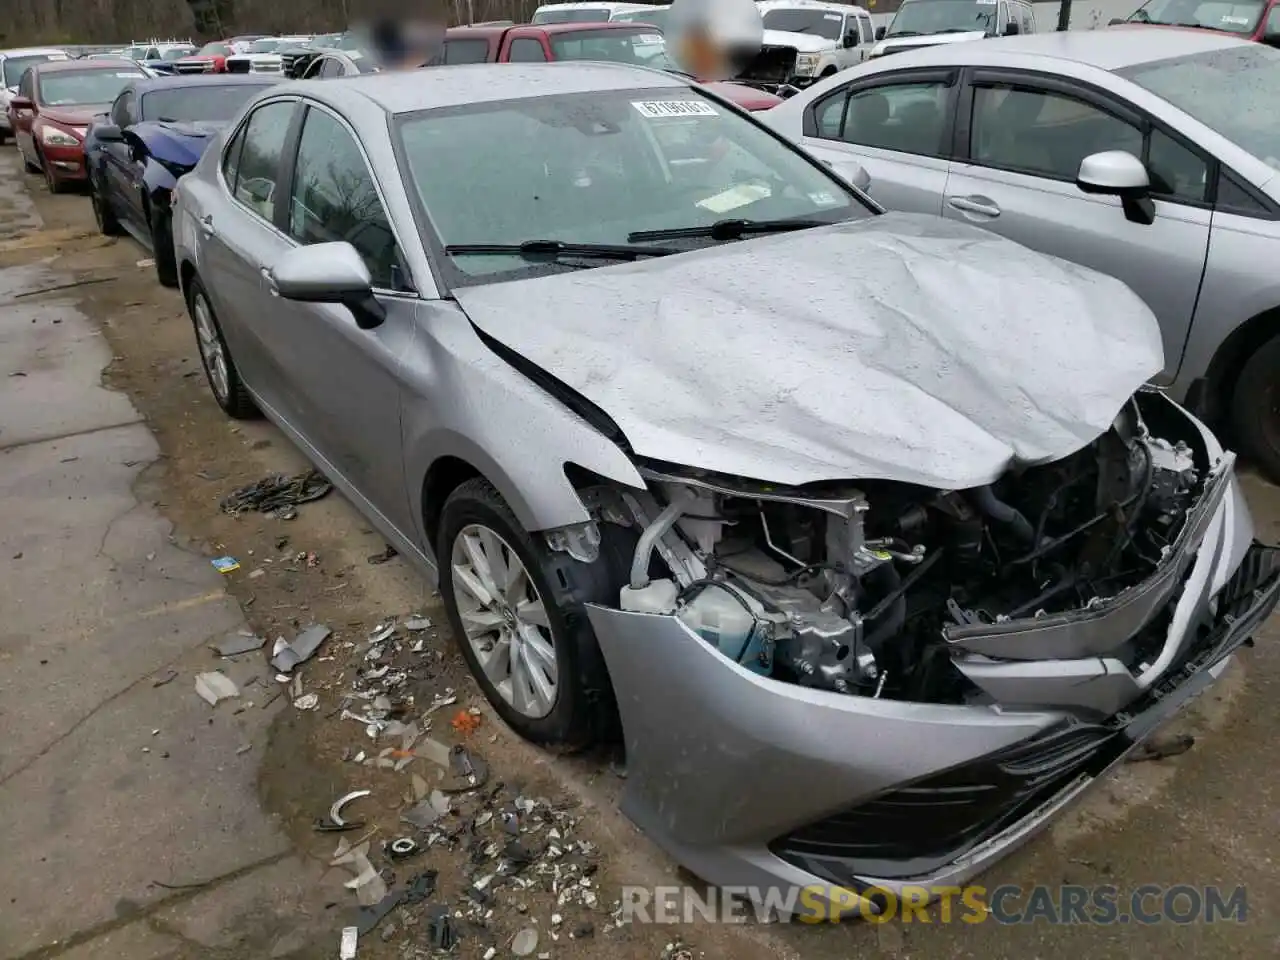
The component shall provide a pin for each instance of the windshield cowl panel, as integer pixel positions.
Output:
(597, 170)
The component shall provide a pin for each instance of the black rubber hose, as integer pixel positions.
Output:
(997, 509)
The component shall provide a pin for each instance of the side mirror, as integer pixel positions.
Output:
(1117, 173)
(850, 39)
(1011, 29)
(21, 103)
(108, 133)
(880, 32)
(329, 273)
(851, 172)
(1115, 20)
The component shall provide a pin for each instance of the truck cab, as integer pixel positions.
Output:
(826, 37)
(927, 23)
(583, 12)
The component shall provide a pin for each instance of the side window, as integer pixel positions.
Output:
(151, 54)
(1177, 173)
(526, 50)
(1028, 18)
(1043, 133)
(906, 117)
(231, 158)
(122, 111)
(867, 33)
(1234, 197)
(1272, 26)
(27, 85)
(259, 162)
(334, 197)
(332, 67)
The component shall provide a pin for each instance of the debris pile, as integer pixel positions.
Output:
(278, 494)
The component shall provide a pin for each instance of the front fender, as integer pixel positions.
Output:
(157, 179)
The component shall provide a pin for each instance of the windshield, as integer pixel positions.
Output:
(596, 168)
(73, 88)
(581, 15)
(923, 17)
(1232, 91)
(130, 53)
(346, 42)
(176, 53)
(641, 47)
(15, 67)
(263, 46)
(215, 103)
(656, 17)
(214, 50)
(817, 23)
(1233, 17)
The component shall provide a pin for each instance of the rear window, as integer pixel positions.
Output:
(215, 103)
(642, 48)
(465, 51)
(657, 17)
(580, 15)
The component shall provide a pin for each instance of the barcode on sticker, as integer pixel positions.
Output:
(661, 109)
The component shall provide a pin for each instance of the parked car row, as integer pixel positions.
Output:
(709, 449)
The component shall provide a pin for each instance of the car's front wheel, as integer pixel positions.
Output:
(219, 369)
(51, 179)
(516, 608)
(1255, 408)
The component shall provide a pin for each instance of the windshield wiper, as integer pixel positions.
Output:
(726, 229)
(555, 249)
(902, 33)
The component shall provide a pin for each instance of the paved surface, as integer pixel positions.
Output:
(106, 596)
(110, 785)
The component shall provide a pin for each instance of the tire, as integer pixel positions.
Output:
(583, 711)
(1255, 408)
(51, 179)
(162, 247)
(102, 212)
(223, 379)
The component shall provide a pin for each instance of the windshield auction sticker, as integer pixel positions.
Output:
(661, 109)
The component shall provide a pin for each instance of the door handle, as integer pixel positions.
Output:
(206, 225)
(977, 205)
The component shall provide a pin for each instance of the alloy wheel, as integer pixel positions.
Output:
(505, 620)
(211, 350)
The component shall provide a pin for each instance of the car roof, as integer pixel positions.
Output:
(31, 51)
(182, 82)
(609, 4)
(575, 27)
(73, 66)
(826, 5)
(1111, 48)
(406, 91)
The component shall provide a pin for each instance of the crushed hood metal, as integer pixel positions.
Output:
(902, 347)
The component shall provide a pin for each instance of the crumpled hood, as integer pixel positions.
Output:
(178, 142)
(903, 347)
(803, 42)
(77, 116)
(928, 40)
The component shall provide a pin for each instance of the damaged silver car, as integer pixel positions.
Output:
(861, 529)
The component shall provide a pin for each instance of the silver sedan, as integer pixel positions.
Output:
(860, 526)
(1149, 153)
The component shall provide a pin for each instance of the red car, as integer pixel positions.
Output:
(212, 57)
(635, 43)
(52, 109)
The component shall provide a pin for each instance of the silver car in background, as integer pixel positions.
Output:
(1147, 153)
(861, 526)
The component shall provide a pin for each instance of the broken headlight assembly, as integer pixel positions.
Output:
(852, 587)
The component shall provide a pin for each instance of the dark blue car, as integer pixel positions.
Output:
(155, 132)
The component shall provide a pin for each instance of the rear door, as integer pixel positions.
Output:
(1020, 141)
(344, 382)
(898, 126)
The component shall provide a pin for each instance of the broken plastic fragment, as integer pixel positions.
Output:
(303, 646)
(347, 946)
(307, 702)
(524, 942)
(214, 686)
(382, 632)
(415, 624)
(238, 643)
(225, 564)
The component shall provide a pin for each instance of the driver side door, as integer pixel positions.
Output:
(121, 171)
(1021, 139)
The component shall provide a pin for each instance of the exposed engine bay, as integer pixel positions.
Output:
(852, 587)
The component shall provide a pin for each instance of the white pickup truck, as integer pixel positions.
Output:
(827, 37)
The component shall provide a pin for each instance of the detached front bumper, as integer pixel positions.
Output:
(756, 783)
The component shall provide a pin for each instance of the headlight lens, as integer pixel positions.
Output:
(807, 63)
(58, 138)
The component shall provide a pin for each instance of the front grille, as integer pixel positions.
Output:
(195, 67)
(265, 68)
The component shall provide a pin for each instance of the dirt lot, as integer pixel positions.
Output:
(1206, 817)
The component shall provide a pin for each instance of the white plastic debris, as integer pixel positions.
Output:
(414, 624)
(308, 701)
(347, 946)
(303, 646)
(524, 942)
(214, 686)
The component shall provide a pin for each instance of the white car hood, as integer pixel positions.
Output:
(803, 42)
(928, 40)
(902, 347)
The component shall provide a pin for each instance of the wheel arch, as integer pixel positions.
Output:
(1230, 358)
